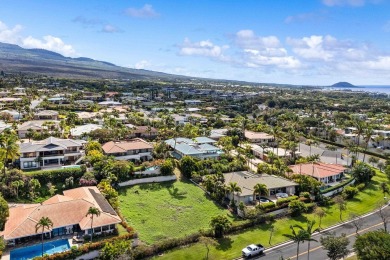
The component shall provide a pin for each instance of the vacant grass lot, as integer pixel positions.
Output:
(166, 210)
(231, 246)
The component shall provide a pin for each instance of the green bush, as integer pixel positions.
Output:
(283, 201)
(361, 186)
(350, 192)
(57, 176)
(267, 206)
(296, 207)
(305, 194)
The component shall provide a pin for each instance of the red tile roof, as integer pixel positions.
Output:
(124, 146)
(318, 170)
(62, 210)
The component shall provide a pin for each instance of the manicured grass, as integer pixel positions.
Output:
(231, 246)
(167, 210)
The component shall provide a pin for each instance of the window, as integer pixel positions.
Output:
(29, 165)
(97, 230)
(105, 228)
(112, 226)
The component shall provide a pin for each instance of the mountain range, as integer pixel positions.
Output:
(14, 58)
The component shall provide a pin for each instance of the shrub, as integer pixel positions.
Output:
(350, 192)
(305, 194)
(310, 206)
(296, 207)
(361, 186)
(283, 201)
(267, 206)
(57, 176)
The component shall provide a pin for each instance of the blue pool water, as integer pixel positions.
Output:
(152, 168)
(49, 248)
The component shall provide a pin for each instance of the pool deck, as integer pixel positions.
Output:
(7, 253)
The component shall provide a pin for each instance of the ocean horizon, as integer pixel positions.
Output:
(370, 88)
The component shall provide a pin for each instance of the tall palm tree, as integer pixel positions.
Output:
(93, 212)
(260, 189)
(233, 187)
(10, 149)
(310, 230)
(43, 223)
(367, 134)
(297, 237)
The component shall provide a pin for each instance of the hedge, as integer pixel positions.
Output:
(58, 175)
(283, 201)
(84, 249)
(340, 185)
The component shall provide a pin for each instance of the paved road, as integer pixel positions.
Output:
(288, 250)
(35, 103)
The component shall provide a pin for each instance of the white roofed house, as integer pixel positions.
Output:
(37, 126)
(78, 131)
(50, 153)
(259, 138)
(199, 147)
(46, 115)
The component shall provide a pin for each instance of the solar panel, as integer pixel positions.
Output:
(102, 202)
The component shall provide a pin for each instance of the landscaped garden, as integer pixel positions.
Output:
(167, 210)
(230, 246)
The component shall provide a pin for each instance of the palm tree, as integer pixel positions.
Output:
(93, 212)
(10, 150)
(297, 237)
(44, 223)
(368, 133)
(309, 232)
(233, 187)
(260, 189)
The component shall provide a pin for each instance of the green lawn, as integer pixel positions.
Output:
(166, 210)
(230, 247)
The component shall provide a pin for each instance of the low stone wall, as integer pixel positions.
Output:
(148, 180)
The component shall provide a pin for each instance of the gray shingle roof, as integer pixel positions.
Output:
(49, 144)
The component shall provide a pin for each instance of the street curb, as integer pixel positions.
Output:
(276, 246)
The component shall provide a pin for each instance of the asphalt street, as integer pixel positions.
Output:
(288, 250)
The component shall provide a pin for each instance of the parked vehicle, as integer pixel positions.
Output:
(281, 195)
(252, 250)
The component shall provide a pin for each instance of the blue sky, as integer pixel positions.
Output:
(316, 42)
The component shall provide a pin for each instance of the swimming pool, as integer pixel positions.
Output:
(49, 248)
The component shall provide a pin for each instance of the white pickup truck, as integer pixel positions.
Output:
(252, 250)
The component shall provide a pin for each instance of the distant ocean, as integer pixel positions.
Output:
(374, 89)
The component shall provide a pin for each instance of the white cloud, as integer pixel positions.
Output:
(108, 28)
(247, 39)
(50, 43)
(146, 11)
(142, 64)
(203, 48)
(9, 35)
(354, 3)
(343, 2)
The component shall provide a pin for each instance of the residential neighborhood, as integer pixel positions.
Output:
(91, 168)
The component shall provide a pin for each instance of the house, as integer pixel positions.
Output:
(36, 125)
(50, 152)
(246, 181)
(216, 134)
(259, 138)
(200, 147)
(13, 113)
(4, 126)
(68, 213)
(10, 100)
(78, 131)
(323, 172)
(143, 132)
(56, 100)
(46, 115)
(133, 150)
(110, 103)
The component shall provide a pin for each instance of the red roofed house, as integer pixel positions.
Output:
(133, 150)
(323, 172)
(67, 212)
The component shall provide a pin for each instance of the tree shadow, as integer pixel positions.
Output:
(176, 194)
(301, 218)
(151, 186)
(224, 244)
